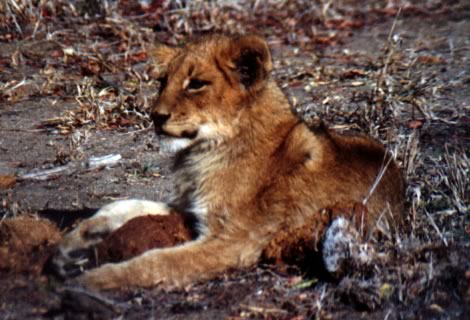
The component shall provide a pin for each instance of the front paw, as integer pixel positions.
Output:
(75, 252)
(108, 276)
(68, 264)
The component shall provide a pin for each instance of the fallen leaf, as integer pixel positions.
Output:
(326, 40)
(91, 67)
(57, 54)
(7, 181)
(295, 280)
(436, 307)
(386, 291)
(415, 124)
(69, 51)
(431, 60)
(137, 57)
(342, 24)
(305, 284)
(353, 73)
(357, 83)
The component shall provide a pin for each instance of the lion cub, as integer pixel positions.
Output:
(245, 167)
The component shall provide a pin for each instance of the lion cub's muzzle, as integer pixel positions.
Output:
(162, 127)
(159, 119)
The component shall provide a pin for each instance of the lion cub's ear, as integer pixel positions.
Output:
(162, 56)
(249, 58)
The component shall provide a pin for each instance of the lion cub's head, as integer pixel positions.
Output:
(205, 85)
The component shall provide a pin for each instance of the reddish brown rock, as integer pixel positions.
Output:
(26, 244)
(141, 234)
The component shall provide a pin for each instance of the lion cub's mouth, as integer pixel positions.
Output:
(172, 140)
(176, 132)
(170, 145)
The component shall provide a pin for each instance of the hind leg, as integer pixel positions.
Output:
(72, 250)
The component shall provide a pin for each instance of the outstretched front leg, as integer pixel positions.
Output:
(90, 232)
(175, 267)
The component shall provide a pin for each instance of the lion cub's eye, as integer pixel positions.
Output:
(162, 81)
(196, 84)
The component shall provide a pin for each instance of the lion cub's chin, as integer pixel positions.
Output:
(171, 145)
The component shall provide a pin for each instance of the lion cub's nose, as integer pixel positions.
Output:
(159, 119)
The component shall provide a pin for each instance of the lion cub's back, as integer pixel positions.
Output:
(349, 167)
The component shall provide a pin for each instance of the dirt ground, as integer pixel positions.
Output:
(75, 83)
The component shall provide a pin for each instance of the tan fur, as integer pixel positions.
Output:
(249, 167)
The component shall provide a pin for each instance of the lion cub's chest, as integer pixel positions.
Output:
(196, 184)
